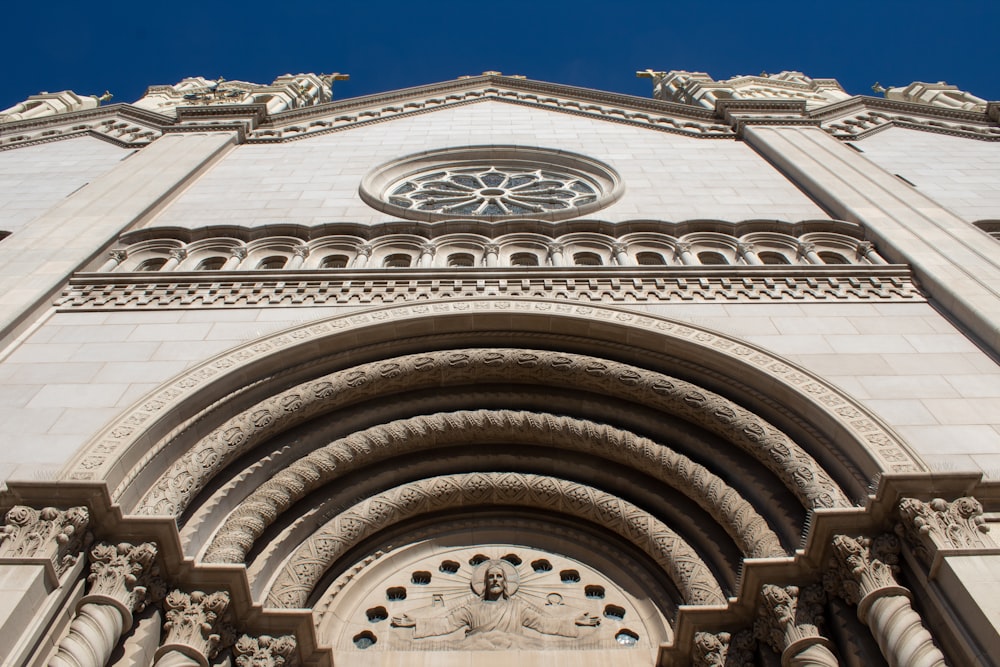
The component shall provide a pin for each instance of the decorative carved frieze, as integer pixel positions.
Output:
(194, 624)
(265, 651)
(939, 524)
(59, 535)
(220, 291)
(306, 567)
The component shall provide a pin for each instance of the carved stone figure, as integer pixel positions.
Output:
(494, 617)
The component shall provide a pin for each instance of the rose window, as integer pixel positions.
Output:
(492, 182)
(489, 190)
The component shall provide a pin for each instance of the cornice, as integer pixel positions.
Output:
(854, 118)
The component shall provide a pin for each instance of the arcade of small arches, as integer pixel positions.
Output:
(517, 250)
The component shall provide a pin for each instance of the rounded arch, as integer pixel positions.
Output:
(135, 450)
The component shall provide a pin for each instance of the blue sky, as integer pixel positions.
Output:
(125, 47)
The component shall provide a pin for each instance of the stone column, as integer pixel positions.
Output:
(787, 621)
(621, 254)
(194, 628)
(264, 651)
(300, 252)
(236, 255)
(808, 250)
(866, 250)
(176, 257)
(861, 572)
(749, 256)
(684, 254)
(556, 254)
(492, 254)
(119, 584)
(427, 255)
(115, 257)
(361, 259)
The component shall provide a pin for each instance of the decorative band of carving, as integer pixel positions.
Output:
(210, 292)
(129, 434)
(249, 520)
(305, 568)
(798, 471)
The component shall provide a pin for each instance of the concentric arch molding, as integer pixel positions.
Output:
(306, 566)
(492, 183)
(191, 472)
(248, 521)
(141, 431)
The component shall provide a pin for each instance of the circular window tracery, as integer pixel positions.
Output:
(494, 182)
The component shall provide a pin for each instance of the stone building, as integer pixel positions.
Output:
(496, 369)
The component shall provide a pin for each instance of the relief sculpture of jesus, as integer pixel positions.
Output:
(496, 612)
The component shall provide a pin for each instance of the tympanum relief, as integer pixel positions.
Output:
(495, 597)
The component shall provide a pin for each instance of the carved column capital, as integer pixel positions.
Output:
(619, 246)
(862, 566)
(301, 251)
(555, 246)
(194, 624)
(121, 575)
(939, 524)
(180, 254)
(683, 246)
(238, 253)
(492, 247)
(118, 255)
(787, 620)
(365, 249)
(710, 650)
(265, 651)
(59, 535)
(745, 247)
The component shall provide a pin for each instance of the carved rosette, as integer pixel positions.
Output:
(47, 533)
(265, 651)
(121, 574)
(193, 624)
(938, 524)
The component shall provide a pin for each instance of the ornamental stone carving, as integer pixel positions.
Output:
(307, 566)
(265, 651)
(723, 649)
(120, 581)
(59, 535)
(939, 524)
(862, 571)
(799, 472)
(251, 517)
(194, 627)
(787, 621)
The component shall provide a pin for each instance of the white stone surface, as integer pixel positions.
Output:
(961, 174)
(34, 178)
(315, 180)
(79, 370)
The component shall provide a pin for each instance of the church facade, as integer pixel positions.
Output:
(500, 369)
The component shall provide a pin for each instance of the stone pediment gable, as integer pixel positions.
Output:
(126, 125)
(120, 124)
